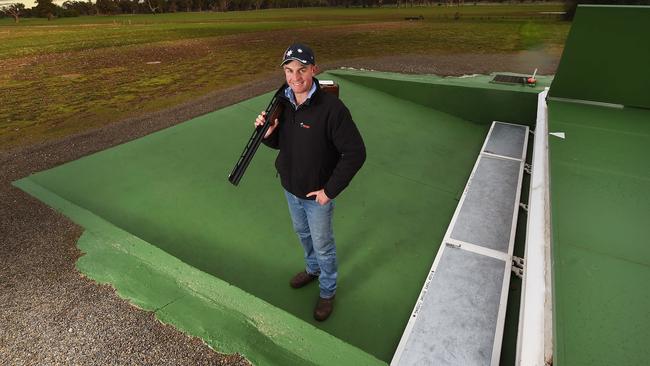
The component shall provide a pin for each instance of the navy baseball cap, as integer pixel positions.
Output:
(300, 53)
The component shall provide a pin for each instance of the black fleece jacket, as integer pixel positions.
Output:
(320, 146)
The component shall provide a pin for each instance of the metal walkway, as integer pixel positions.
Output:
(460, 313)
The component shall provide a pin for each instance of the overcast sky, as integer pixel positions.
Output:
(29, 3)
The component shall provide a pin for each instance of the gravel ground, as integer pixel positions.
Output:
(50, 314)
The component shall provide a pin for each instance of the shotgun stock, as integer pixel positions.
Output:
(273, 111)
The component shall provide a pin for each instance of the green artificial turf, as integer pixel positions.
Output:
(228, 319)
(600, 200)
(167, 194)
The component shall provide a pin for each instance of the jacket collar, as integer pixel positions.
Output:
(288, 94)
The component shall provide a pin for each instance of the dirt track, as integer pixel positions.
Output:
(50, 314)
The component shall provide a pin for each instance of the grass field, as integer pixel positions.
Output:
(69, 75)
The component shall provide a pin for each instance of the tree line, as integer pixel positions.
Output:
(74, 8)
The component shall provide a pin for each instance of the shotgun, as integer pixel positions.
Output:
(273, 111)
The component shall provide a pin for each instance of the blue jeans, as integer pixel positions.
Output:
(313, 224)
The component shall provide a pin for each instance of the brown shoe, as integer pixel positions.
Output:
(323, 308)
(301, 279)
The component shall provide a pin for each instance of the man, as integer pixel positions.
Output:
(320, 151)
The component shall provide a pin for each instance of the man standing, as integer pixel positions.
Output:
(320, 151)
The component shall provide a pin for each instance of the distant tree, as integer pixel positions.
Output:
(107, 7)
(14, 10)
(198, 5)
(45, 9)
(153, 6)
(128, 6)
(185, 5)
(80, 7)
(278, 3)
(244, 4)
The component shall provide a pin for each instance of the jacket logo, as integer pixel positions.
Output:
(304, 125)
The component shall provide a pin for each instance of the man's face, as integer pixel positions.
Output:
(299, 77)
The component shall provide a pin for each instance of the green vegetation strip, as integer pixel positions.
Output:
(38, 36)
(600, 199)
(489, 101)
(169, 190)
(73, 75)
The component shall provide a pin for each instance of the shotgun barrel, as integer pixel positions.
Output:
(273, 111)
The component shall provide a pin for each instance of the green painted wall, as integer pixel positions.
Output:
(607, 57)
(472, 99)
